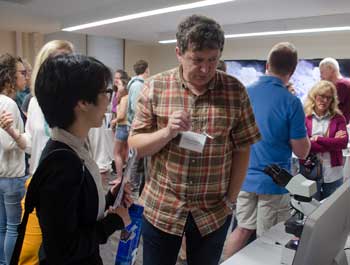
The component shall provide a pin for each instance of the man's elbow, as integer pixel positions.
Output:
(303, 152)
(131, 141)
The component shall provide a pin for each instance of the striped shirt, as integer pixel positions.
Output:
(183, 181)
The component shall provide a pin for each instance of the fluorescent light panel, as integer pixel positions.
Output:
(148, 14)
(279, 32)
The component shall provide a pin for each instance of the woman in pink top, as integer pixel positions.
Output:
(122, 130)
(119, 75)
(326, 127)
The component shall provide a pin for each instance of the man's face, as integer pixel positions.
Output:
(199, 67)
(326, 73)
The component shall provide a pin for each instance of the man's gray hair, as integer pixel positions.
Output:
(330, 62)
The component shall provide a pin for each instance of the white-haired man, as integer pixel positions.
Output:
(329, 70)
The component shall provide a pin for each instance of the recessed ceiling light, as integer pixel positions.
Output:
(148, 14)
(279, 32)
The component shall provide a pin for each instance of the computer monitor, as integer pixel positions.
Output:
(325, 231)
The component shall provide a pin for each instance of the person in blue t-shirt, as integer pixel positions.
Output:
(281, 121)
(134, 88)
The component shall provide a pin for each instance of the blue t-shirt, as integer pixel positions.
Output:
(280, 118)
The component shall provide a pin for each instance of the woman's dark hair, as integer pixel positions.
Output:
(64, 80)
(125, 81)
(200, 33)
(8, 68)
(123, 74)
(124, 77)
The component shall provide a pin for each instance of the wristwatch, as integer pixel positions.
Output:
(229, 204)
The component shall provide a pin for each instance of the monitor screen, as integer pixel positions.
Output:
(325, 231)
(306, 74)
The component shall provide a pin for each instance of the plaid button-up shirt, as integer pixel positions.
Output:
(183, 181)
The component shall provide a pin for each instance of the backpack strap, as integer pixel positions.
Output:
(31, 199)
(133, 81)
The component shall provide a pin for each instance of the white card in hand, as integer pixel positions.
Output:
(130, 166)
(193, 141)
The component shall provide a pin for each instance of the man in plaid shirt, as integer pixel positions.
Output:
(192, 188)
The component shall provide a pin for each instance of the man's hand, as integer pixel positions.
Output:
(179, 121)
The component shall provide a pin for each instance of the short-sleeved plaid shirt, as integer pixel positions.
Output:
(183, 181)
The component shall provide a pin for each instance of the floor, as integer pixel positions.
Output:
(108, 251)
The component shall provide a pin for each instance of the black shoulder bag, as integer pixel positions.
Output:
(311, 168)
(31, 199)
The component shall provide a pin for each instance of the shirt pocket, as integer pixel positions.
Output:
(162, 114)
(220, 122)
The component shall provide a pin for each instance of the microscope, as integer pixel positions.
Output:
(302, 204)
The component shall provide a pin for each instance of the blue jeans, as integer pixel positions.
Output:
(11, 193)
(160, 248)
(329, 188)
(325, 190)
(122, 133)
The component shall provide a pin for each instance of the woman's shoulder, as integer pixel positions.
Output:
(125, 97)
(339, 117)
(8, 103)
(59, 159)
(59, 152)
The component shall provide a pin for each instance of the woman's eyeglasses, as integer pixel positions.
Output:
(23, 72)
(324, 97)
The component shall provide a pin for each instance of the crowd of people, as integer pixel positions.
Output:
(203, 141)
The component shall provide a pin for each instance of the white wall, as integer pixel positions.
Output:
(24, 44)
(162, 57)
(78, 40)
(108, 50)
(135, 51)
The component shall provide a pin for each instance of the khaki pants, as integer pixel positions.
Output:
(261, 211)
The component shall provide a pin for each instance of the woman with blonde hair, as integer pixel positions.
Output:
(36, 135)
(326, 127)
(51, 48)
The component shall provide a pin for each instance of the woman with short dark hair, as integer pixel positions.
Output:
(73, 212)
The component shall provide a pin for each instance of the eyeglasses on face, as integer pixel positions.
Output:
(324, 97)
(23, 72)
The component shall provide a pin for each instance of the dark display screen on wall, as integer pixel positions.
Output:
(305, 76)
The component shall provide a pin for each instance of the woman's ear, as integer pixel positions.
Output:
(82, 106)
